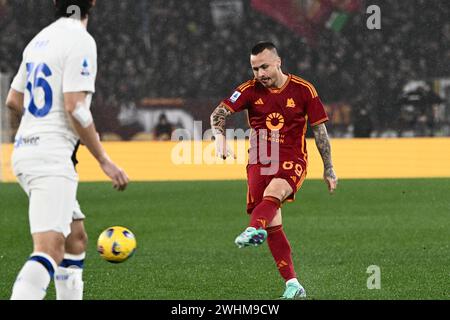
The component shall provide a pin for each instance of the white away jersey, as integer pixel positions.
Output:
(61, 58)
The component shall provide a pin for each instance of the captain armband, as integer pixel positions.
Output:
(83, 115)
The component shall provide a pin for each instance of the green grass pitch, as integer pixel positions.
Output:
(185, 233)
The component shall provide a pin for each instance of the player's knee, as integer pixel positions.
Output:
(273, 191)
(279, 189)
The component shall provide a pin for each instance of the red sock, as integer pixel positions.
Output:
(264, 212)
(281, 252)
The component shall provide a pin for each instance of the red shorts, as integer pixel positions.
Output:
(293, 172)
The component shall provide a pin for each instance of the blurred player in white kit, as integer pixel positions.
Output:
(53, 90)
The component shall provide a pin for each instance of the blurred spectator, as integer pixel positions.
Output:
(163, 129)
(128, 118)
(340, 118)
(417, 116)
(3, 9)
(362, 124)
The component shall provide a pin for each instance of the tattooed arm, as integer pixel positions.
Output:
(218, 119)
(323, 145)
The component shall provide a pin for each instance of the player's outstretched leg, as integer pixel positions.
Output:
(251, 237)
(256, 234)
(294, 291)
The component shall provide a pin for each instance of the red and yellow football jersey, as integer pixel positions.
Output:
(280, 115)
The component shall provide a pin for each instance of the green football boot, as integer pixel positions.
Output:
(251, 237)
(294, 291)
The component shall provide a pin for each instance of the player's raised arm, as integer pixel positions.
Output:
(218, 120)
(77, 108)
(324, 147)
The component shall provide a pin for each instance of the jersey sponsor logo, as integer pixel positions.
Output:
(275, 121)
(31, 141)
(235, 96)
(259, 102)
(85, 71)
(290, 103)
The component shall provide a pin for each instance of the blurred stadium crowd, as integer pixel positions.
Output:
(175, 49)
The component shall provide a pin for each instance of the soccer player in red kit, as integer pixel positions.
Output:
(279, 106)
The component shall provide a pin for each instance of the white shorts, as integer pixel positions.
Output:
(52, 203)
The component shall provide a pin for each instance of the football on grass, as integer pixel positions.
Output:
(116, 244)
